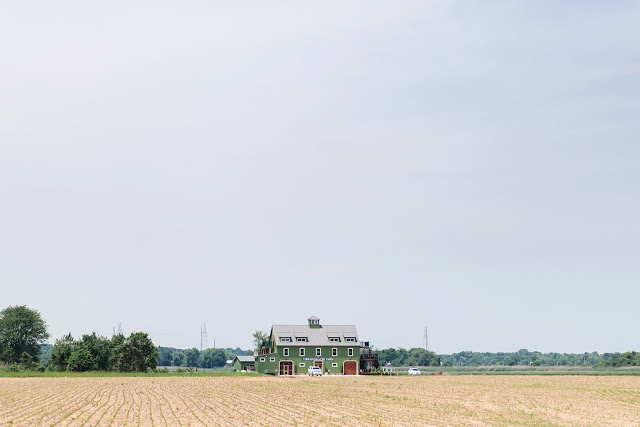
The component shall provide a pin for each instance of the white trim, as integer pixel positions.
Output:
(318, 351)
(285, 351)
(350, 352)
(301, 365)
(262, 359)
(334, 365)
(334, 352)
(301, 352)
(272, 359)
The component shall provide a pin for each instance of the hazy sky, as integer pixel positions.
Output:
(468, 166)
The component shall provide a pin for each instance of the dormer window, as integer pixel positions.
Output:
(350, 339)
(302, 339)
(334, 339)
(285, 339)
(314, 322)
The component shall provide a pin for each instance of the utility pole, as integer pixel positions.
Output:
(203, 336)
(425, 341)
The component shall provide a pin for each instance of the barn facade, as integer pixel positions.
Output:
(292, 349)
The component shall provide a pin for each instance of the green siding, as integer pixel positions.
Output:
(238, 365)
(308, 359)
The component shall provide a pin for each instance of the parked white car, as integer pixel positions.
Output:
(414, 371)
(314, 371)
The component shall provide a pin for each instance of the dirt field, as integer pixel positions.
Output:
(337, 401)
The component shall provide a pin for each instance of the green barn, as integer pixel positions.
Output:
(244, 363)
(293, 348)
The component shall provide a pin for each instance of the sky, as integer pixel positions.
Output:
(468, 167)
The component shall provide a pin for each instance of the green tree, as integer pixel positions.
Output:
(260, 339)
(81, 360)
(177, 358)
(214, 358)
(21, 330)
(137, 353)
(101, 350)
(193, 357)
(61, 352)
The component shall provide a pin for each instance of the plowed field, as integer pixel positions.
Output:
(440, 400)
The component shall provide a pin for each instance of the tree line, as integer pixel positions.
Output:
(411, 357)
(135, 353)
(23, 333)
(194, 358)
(535, 358)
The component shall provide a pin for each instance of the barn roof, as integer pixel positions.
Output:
(246, 358)
(316, 336)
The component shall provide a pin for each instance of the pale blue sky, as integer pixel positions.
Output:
(470, 166)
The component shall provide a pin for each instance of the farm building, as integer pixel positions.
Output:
(244, 363)
(293, 348)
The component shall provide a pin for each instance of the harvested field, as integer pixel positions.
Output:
(439, 400)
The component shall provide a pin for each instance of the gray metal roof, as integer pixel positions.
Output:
(246, 358)
(317, 336)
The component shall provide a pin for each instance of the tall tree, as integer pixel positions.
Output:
(62, 350)
(101, 350)
(137, 353)
(22, 330)
(260, 338)
(193, 357)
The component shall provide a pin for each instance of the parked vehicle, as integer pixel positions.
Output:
(414, 371)
(314, 371)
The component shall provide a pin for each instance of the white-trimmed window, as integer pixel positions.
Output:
(334, 352)
(272, 359)
(350, 352)
(350, 339)
(285, 339)
(301, 351)
(334, 365)
(301, 364)
(302, 339)
(334, 339)
(285, 351)
(262, 359)
(318, 352)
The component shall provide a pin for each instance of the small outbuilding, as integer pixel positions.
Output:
(244, 363)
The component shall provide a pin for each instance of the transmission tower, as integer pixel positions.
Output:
(119, 328)
(203, 336)
(425, 341)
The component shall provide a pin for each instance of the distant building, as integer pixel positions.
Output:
(244, 363)
(293, 348)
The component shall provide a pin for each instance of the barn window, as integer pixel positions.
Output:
(350, 352)
(350, 339)
(302, 351)
(334, 365)
(318, 352)
(334, 339)
(262, 359)
(272, 359)
(285, 351)
(301, 364)
(285, 339)
(334, 351)
(302, 339)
